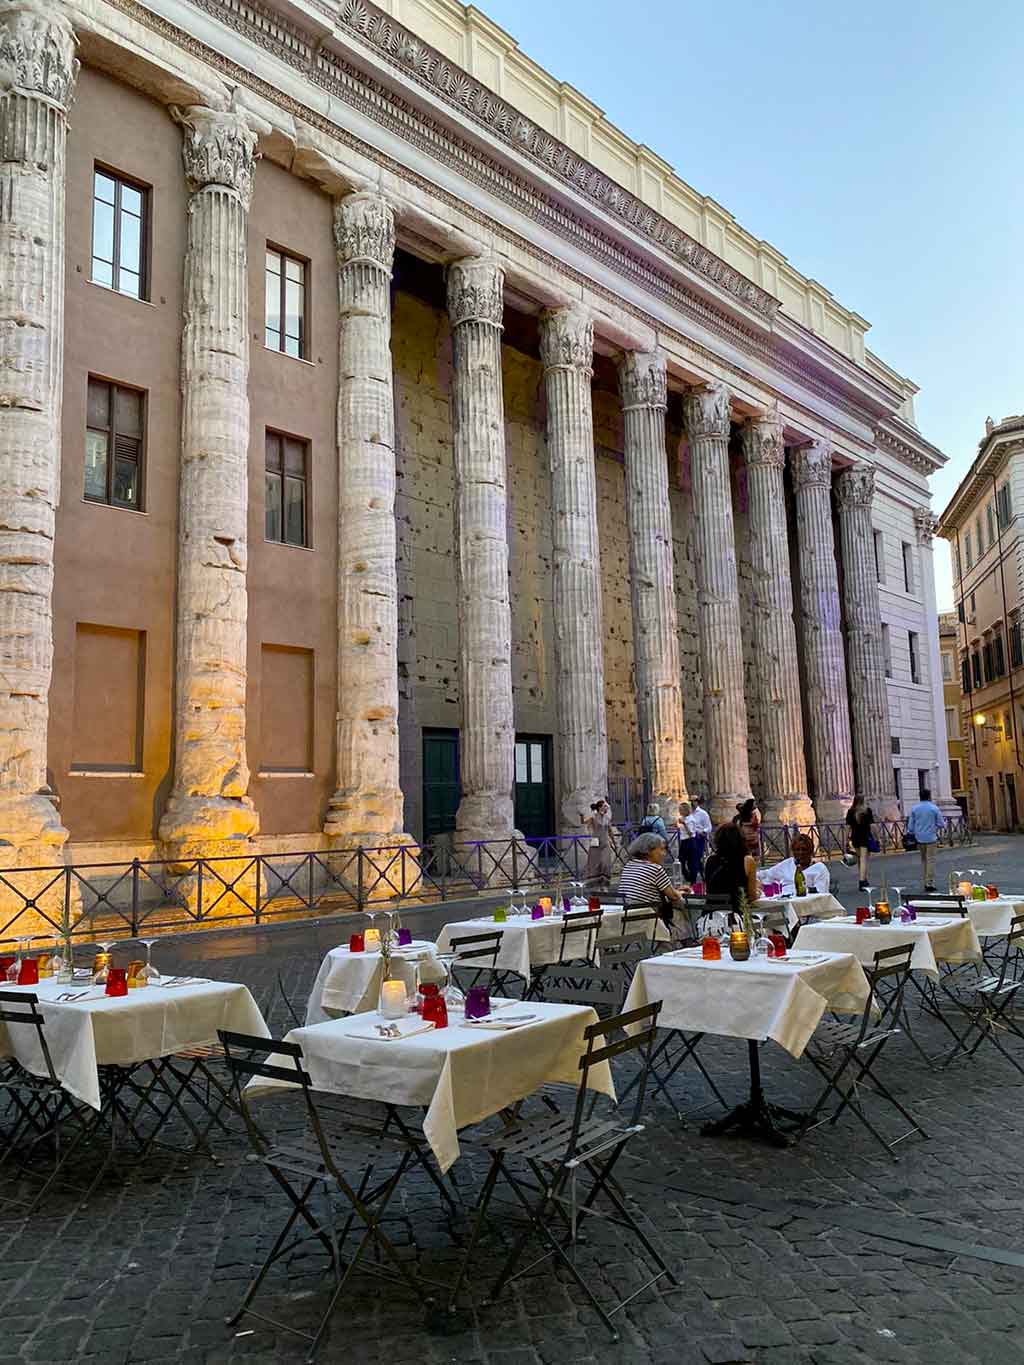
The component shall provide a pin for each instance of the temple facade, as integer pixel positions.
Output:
(392, 449)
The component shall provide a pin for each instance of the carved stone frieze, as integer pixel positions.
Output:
(707, 410)
(856, 487)
(643, 380)
(476, 291)
(364, 230)
(219, 148)
(763, 443)
(37, 50)
(926, 524)
(812, 464)
(567, 339)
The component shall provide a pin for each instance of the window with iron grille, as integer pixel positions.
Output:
(286, 489)
(120, 231)
(286, 303)
(965, 677)
(114, 444)
(987, 657)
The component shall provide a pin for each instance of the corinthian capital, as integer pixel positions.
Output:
(812, 465)
(219, 149)
(567, 339)
(762, 441)
(37, 51)
(476, 291)
(643, 380)
(364, 230)
(706, 410)
(926, 525)
(856, 487)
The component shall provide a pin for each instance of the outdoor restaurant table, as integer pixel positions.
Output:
(936, 938)
(461, 1074)
(349, 983)
(989, 917)
(111, 1030)
(782, 999)
(527, 943)
(816, 905)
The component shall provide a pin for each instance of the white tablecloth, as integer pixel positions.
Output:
(991, 918)
(121, 1030)
(348, 983)
(461, 1074)
(527, 943)
(938, 938)
(820, 905)
(761, 998)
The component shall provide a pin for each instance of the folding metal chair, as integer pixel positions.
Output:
(478, 954)
(578, 944)
(571, 1159)
(985, 1001)
(642, 921)
(931, 900)
(844, 1054)
(316, 1164)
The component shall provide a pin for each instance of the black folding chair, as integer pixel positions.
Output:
(844, 1054)
(581, 930)
(571, 1159)
(476, 962)
(641, 921)
(317, 1163)
(985, 1001)
(934, 901)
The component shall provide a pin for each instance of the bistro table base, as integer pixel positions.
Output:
(755, 1117)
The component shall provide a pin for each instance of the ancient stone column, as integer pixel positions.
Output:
(367, 807)
(706, 413)
(925, 523)
(642, 380)
(487, 737)
(865, 662)
(37, 73)
(784, 800)
(209, 800)
(566, 349)
(828, 715)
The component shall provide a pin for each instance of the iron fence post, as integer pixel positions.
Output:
(259, 887)
(199, 888)
(135, 898)
(360, 889)
(67, 901)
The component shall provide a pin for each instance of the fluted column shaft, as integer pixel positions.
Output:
(487, 738)
(865, 662)
(642, 379)
(567, 343)
(706, 413)
(367, 807)
(211, 775)
(37, 74)
(828, 714)
(784, 798)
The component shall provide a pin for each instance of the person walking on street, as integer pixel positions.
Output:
(863, 841)
(923, 825)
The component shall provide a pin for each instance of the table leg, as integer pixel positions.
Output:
(755, 1118)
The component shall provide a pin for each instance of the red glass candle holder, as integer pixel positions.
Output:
(711, 949)
(6, 963)
(355, 943)
(862, 914)
(992, 892)
(776, 945)
(594, 903)
(28, 973)
(117, 981)
(433, 1008)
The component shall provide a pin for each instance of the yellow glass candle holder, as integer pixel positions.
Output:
(545, 904)
(739, 946)
(371, 941)
(882, 912)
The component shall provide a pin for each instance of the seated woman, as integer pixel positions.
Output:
(816, 875)
(644, 881)
(731, 869)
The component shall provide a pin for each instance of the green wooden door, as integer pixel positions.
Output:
(534, 813)
(442, 789)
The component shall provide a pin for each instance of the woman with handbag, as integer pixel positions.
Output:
(863, 837)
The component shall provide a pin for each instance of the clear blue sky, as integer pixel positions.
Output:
(878, 146)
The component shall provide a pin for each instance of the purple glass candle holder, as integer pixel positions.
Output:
(404, 938)
(566, 904)
(537, 912)
(478, 1002)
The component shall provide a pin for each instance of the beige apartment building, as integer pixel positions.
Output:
(397, 449)
(959, 733)
(983, 526)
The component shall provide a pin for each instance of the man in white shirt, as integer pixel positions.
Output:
(816, 875)
(701, 819)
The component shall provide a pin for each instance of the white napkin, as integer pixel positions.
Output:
(518, 1021)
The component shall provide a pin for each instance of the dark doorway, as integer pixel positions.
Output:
(442, 788)
(534, 799)
(1011, 801)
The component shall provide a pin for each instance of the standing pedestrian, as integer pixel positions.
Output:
(698, 822)
(691, 844)
(599, 852)
(653, 823)
(863, 840)
(923, 825)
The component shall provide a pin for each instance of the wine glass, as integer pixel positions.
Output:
(577, 901)
(149, 976)
(23, 943)
(762, 943)
(513, 902)
(99, 976)
(453, 997)
(955, 878)
(897, 892)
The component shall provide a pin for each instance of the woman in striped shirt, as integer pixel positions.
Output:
(644, 881)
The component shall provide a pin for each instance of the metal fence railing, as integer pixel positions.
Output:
(152, 897)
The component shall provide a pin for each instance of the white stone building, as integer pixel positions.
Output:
(385, 436)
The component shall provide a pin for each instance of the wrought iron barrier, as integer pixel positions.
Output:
(150, 897)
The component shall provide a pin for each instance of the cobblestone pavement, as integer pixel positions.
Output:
(831, 1253)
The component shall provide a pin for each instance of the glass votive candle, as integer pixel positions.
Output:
(371, 940)
(978, 893)
(711, 949)
(28, 973)
(965, 889)
(545, 904)
(776, 946)
(117, 981)
(134, 977)
(905, 915)
(537, 911)
(993, 892)
(404, 938)
(593, 902)
(478, 1003)
(862, 914)
(500, 915)
(882, 912)
(356, 944)
(698, 888)
(739, 946)
(393, 999)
